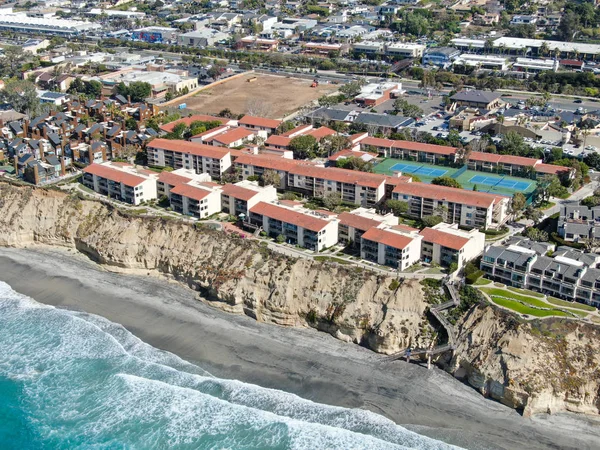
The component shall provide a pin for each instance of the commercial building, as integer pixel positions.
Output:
(260, 44)
(568, 274)
(320, 49)
(578, 222)
(374, 94)
(478, 99)
(482, 61)
(201, 158)
(440, 56)
(203, 37)
(161, 82)
(315, 230)
(121, 181)
(469, 209)
(22, 23)
(516, 46)
(155, 35)
(405, 50)
(530, 65)
(445, 244)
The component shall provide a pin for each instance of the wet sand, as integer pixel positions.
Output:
(311, 364)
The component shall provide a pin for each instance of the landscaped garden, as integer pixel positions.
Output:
(533, 303)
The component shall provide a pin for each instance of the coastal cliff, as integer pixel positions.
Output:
(540, 367)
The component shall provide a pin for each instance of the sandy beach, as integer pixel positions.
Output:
(302, 361)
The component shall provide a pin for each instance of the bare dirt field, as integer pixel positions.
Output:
(269, 96)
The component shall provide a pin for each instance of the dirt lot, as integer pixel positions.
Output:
(269, 96)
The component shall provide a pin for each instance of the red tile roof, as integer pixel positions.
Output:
(281, 141)
(320, 133)
(217, 130)
(289, 216)
(444, 239)
(485, 157)
(372, 180)
(403, 227)
(268, 162)
(238, 192)
(358, 137)
(551, 168)
(449, 194)
(172, 179)
(186, 190)
(377, 142)
(421, 147)
(168, 127)
(259, 122)
(232, 136)
(299, 128)
(356, 221)
(518, 160)
(347, 153)
(388, 238)
(193, 148)
(114, 175)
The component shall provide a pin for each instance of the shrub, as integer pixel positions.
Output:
(474, 276)
(311, 316)
(395, 284)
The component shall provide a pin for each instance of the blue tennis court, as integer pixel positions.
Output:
(500, 182)
(419, 170)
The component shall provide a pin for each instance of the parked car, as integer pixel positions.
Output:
(577, 100)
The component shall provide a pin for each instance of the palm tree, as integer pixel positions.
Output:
(544, 49)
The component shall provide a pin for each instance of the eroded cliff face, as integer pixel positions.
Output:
(236, 275)
(539, 367)
(542, 366)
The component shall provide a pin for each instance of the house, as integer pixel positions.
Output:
(478, 99)
(523, 20)
(470, 209)
(445, 244)
(578, 222)
(391, 247)
(121, 181)
(56, 98)
(314, 230)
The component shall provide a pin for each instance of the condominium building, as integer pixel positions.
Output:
(197, 199)
(391, 247)
(166, 181)
(466, 208)
(315, 230)
(568, 274)
(355, 223)
(260, 124)
(121, 181)
(237, 199)
(201, 158)
(578, 222)
(445, 244)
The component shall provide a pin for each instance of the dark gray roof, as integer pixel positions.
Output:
(329, 114)
(24, 158)
(53, 95)
(476, 96)
(114, 130)
(15, 127)
(54, 139)
(53, 160)
(383, 120)
(441, 50)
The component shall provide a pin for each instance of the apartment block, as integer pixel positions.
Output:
(166, 181)
(121, 181)
(315, 230)
(197, 199)
(445, 244)
(568, 274)
(466, 208)
(237, 199)
(260, 124)
(391, 247)
(201, 158)
(578, 222)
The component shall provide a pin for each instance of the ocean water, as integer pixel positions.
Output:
(74, 380)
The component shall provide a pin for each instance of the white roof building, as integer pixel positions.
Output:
(22, 23)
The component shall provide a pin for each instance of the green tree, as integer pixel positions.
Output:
(446, 181)
(517, 203)
(93, 88)
(351, 89)
(137, 90)
(22, 95)
(354, 163)
(534, 214)
(334, 143)
(431, 221)
(512, 143)
(548, 186)
(398, 207)
(535, 234)
(131, 124)
(332, 200)
(12, 60)
(271, 178)
(303, 147)
(569, 25)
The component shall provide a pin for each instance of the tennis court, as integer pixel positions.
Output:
(418, 169)
(500, 182)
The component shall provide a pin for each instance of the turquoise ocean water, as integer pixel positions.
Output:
(73, 380)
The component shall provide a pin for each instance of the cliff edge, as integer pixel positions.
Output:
(536, 367)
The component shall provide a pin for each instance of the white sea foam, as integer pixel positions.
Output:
(86, 378)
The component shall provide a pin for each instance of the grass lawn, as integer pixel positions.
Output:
(482, 282)
(524, 309)
(573, 305)
(526, 292)
(511, 295)
(546, 205)
(596, 319)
